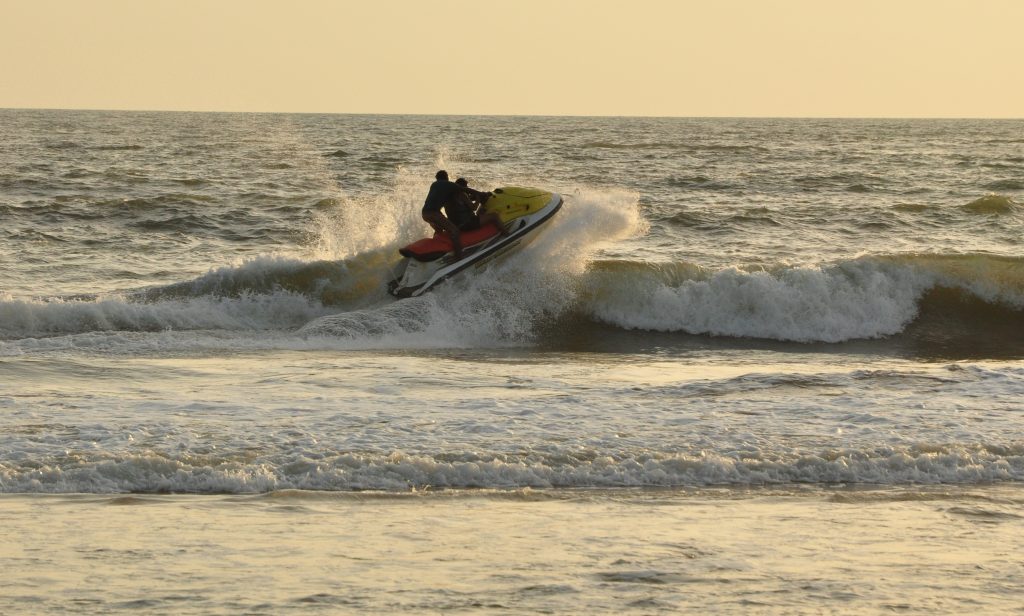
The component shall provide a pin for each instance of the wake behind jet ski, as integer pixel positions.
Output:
(431, 260)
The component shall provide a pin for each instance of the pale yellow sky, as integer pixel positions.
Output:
(868, 58)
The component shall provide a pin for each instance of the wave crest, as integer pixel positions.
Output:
(992, 204)
(869, 297)
(399, 471)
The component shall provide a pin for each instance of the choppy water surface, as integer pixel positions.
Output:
(194, 303)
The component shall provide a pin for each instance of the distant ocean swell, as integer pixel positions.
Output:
(159, 472)
(862, 298)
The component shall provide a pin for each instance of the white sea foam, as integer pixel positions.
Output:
(863, 298)
(34, 318)
(329, 421)
(922, 464)
(868, 297)
(802, 304)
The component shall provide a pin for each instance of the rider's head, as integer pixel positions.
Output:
(441, 175)
(462, 182)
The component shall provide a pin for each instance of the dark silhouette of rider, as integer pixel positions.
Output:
(479, 200)
(453, 198)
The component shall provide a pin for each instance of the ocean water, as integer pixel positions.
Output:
(752, 364)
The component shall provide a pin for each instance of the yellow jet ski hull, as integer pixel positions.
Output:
(511, 202)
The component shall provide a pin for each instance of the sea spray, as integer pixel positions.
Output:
(504, 302)
(352, 225)
(348, 225)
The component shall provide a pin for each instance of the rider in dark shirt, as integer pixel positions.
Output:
(478, 200)
(450, 196)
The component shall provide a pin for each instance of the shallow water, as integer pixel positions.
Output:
(342, 420)
(792, 550)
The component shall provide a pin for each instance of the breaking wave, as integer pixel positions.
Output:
(344, 283)
(868, 297)
(864, 298)
(25, 319)
(345, 298)
(555, 281)
(154, 472)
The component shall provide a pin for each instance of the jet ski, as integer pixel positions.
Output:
(430, 261)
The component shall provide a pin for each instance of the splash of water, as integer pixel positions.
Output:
(504, 302)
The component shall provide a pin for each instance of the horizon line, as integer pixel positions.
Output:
(520, 115)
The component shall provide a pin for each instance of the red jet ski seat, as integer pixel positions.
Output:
(433, 248)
